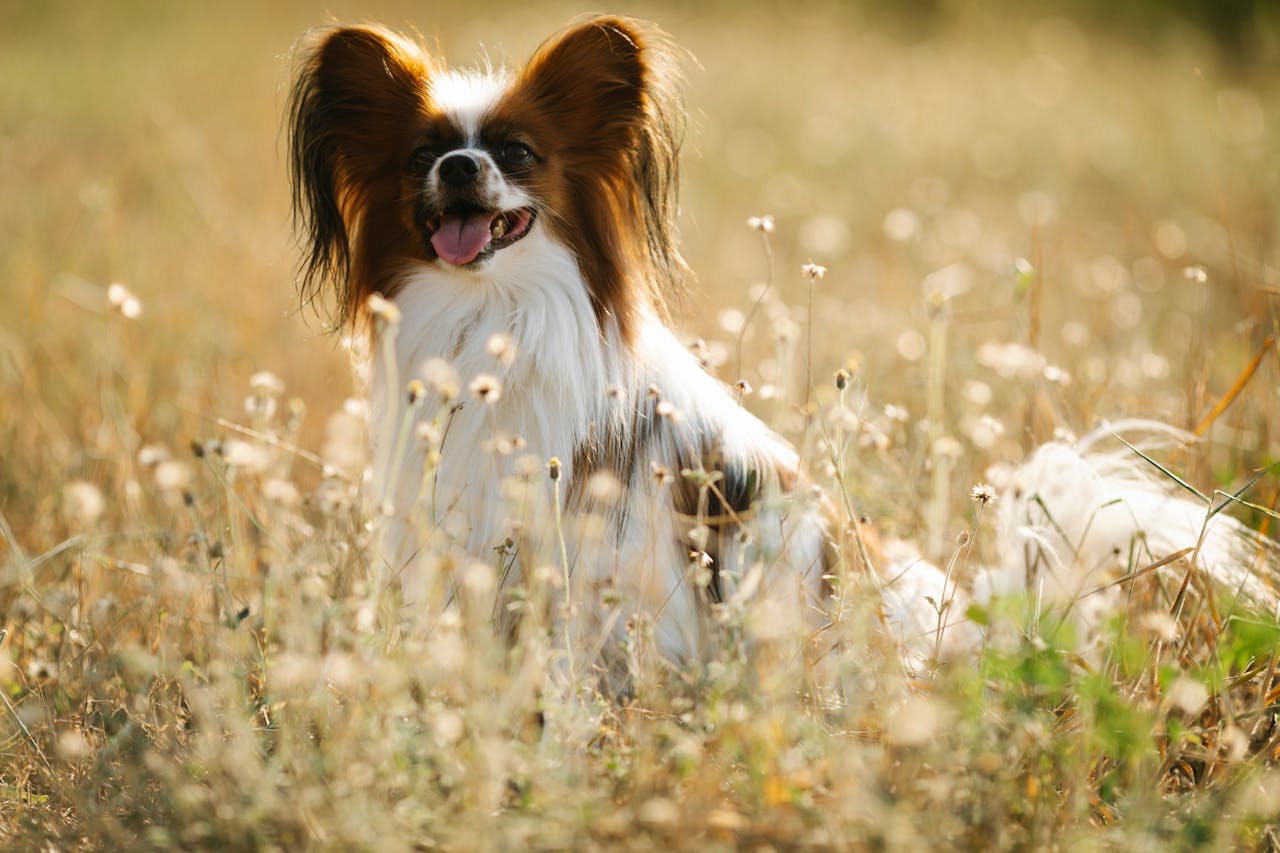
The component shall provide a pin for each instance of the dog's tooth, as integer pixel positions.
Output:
(499, 227)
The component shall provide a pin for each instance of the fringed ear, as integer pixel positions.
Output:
(612, 87)
(355, 95)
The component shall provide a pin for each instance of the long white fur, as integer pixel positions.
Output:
(1073, 521)
(569, 378)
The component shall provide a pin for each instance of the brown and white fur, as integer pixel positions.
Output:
(538, 206)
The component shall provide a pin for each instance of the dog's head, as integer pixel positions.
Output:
(398, 162)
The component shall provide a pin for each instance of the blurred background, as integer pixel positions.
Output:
(1086, 194)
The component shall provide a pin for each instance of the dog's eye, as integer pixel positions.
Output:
(516, 154)
(422, 159)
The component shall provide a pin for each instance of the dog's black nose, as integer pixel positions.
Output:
(459, 169)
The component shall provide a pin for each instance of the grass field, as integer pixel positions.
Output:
(1029, 225)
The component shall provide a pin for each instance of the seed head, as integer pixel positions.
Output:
(441, 376)
(486, 387)
(842, 379)
(383, 309)
(763, 224)
(813, 271)
(83, 503)
(1197, 274)
(267, 383)
(123, 300)
(553, 469)
(983, 493)
(666, 409)
(502, 347)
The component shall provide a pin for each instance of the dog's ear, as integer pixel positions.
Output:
(611, 87)
(591, 79)
(354, 96)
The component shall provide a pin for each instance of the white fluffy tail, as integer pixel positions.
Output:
(1076, 524)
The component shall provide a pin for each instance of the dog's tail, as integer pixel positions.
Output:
(1084, 529)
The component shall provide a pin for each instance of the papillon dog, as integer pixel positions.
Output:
(513, 235)
(505, 242)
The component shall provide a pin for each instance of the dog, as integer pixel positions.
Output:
(504, 242)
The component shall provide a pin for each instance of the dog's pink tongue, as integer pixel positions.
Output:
(460, 239)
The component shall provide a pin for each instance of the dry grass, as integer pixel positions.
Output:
(190, 657)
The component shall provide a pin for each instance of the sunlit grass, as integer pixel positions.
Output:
(1025, 226)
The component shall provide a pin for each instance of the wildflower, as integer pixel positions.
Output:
(659, 811)
(977, 392)
(666, 409)
(502, 347)
(486, 387)
(1011, 359)
(553, 469)
(280, 491)
(478, 578)
(983, 493)
(1057, 375)
(172, 476)
(441, 376)
(901, 224)
(1161, 625)
(241, 454)
(763, 224)
(41, 670)
(1198, 274)
(661, 474)
(123, 300)
(896, 413)
(449, 727)
(917, 721)
(260, 406)
(604, 487)
(382, 308)
(151, 455)
(83, 503)
(946, 447)
(73, 746)
(785, 329)
(941, 286)
(743, 387)
(911, 345)
(266, 382)
(813, 271)
(1188, 695)
(842, 379)
(504, 444)
(416, 391)
(528, 465)
(732, 320)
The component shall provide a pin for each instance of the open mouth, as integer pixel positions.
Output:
(461, 235)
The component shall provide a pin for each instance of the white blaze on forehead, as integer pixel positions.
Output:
(466, 96)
